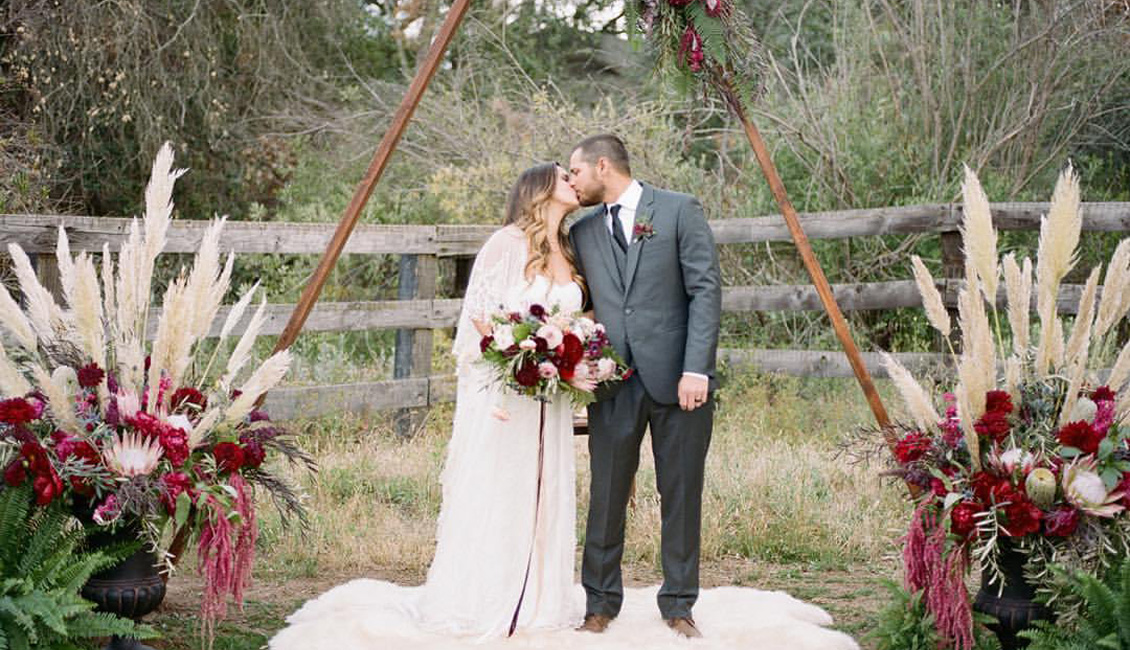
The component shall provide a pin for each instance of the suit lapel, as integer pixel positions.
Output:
(605, 244)
(644, 209)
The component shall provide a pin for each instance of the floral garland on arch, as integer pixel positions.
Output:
(162, 435)
(1032, 444)
(702, 43)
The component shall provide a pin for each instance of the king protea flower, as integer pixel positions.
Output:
(132, 454)
(1085, 490)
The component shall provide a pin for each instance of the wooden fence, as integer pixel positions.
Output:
(418, 310)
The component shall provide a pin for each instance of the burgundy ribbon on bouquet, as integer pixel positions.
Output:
(537, 509)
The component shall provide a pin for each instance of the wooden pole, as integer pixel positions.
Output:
(812, 265)
(380, 159)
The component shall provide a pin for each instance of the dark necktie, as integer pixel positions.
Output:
(618, 228)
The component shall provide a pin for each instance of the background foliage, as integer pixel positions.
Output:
(277, 105)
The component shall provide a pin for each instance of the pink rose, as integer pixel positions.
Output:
(528, 344)
(552, 335)
(547, 370)
(605, 368)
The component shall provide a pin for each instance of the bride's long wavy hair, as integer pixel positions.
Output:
(526, 207)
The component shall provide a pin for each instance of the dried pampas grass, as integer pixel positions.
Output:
(931, 299)
(916, 398)
(266, 377)
(978, 236)
(1114, 301)
(1018, 286)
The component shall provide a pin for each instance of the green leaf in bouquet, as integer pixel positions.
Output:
(521, 331)
(951, 499)
(1070, 452)
(1106, 448)
(1123, 465)
(1111, 478)
(184, 505)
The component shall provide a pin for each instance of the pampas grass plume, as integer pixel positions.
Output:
(266, 377)
(1018, 286)
(916, 398)
(931, 299)
(978, 236)
(12, 381)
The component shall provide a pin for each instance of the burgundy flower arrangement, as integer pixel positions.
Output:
(1032, 445)
(540, 353)
(162, 436)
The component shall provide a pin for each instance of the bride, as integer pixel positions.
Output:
(491, 567)
(486, 536)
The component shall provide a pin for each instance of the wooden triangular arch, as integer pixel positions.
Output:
(400, 122)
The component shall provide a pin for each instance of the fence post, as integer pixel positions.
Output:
(47, 271)
(414, 347)
(953, 270)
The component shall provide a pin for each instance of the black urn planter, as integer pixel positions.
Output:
(1014, 607)
(130, 589)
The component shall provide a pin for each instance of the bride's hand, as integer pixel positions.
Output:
(484, 328)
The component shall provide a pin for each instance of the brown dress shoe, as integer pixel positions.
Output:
(595, 623)
(684, 627)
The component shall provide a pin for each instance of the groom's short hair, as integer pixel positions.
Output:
(606, 146)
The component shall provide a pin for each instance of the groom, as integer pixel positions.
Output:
(649, 260)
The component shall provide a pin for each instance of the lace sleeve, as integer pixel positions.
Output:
(498, 264)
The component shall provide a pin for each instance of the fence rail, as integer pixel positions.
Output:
(419, 311)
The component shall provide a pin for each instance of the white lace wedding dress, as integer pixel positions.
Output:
(486, 529)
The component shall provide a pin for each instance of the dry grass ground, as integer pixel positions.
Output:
(781, 512)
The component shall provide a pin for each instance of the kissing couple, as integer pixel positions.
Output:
(640, 261)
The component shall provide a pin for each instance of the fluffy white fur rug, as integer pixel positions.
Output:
(369, 615)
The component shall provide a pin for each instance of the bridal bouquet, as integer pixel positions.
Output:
(1031, 445)
(161, 437)
(540, 353)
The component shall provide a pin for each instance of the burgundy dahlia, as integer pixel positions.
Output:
(90, 375)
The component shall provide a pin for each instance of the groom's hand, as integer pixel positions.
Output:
(693, 392)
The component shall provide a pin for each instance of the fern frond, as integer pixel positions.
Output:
(14, 506)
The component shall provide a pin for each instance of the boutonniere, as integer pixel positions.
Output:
(643, 228)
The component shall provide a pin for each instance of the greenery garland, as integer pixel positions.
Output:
(701, 44)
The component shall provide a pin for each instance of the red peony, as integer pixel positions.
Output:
(1023, 516)
(68, 445)
(253, 451)
(484, 343)
(1080, 435)
(998, 401)
(187, 396)
(537, 311)
(993, 424)
(15, 474)
(46, 487)
(574, 350)
(912, 447)
(986, 485)
(90, 375)
(173, 485)
(938, 487)
(1062, 522)
(229, 456)
(17, 411)
(1103, 394)
(963, 521)
(527, 374)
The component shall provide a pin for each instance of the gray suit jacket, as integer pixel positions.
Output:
(662, 311)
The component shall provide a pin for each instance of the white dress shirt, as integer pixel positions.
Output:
(629, 201)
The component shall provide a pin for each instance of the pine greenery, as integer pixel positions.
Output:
(42, 570)
(1104, 620)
